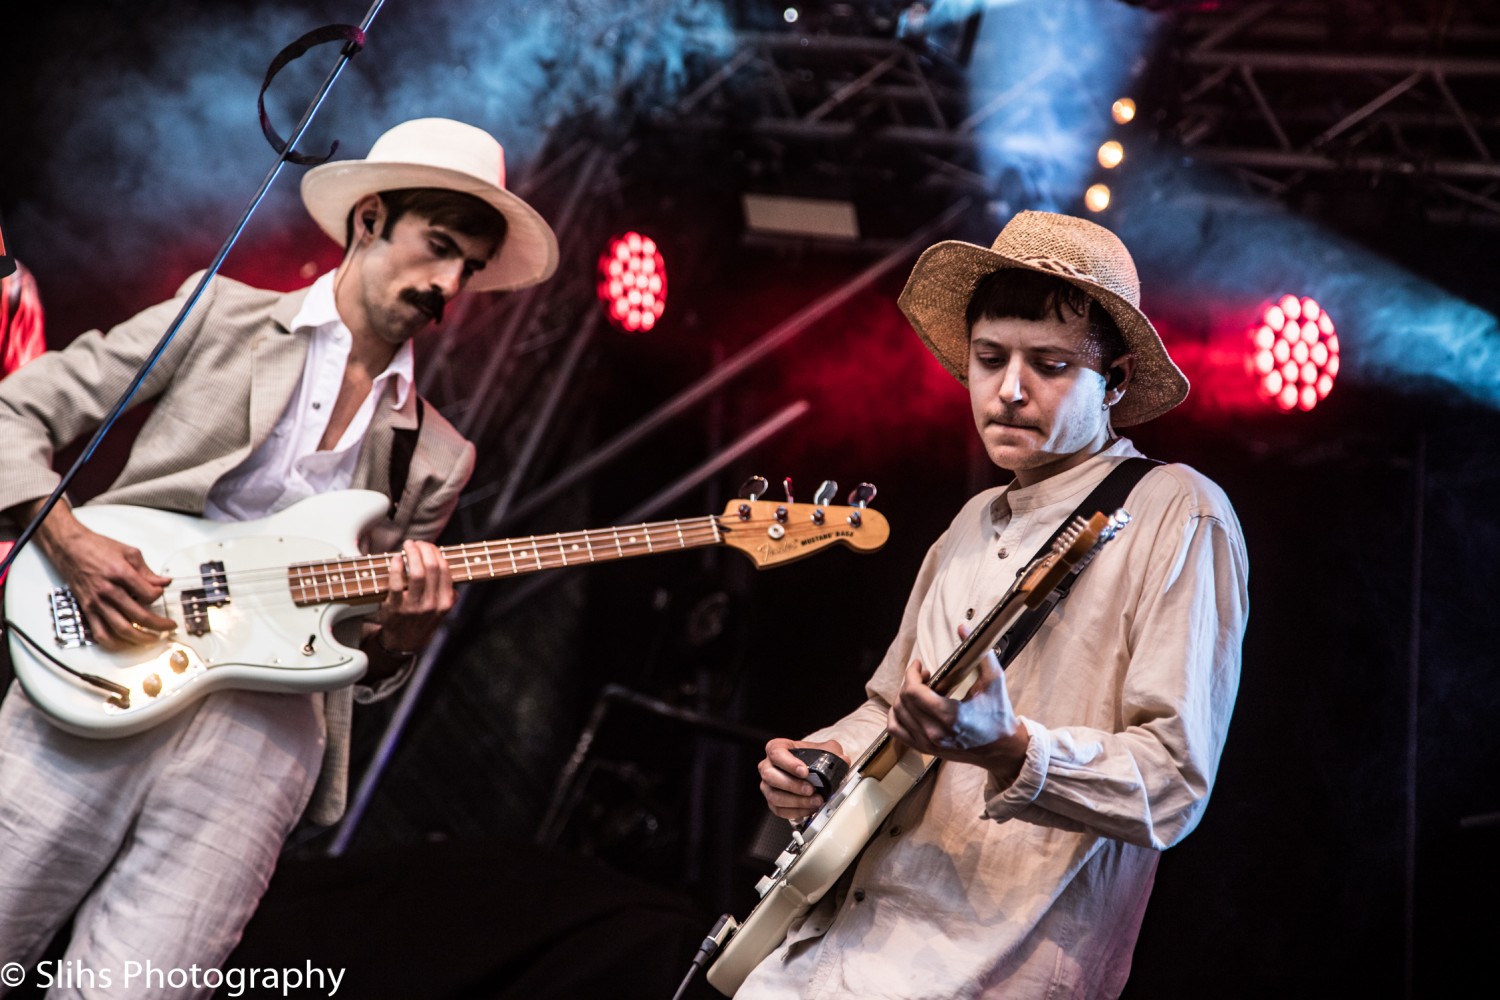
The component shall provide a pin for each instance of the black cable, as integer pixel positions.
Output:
(120, 692)
(707, 950)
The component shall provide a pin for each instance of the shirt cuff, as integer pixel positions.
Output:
(1003, 803)
(365, 694)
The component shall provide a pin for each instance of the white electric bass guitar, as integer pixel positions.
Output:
(881, 777)
(255, 602)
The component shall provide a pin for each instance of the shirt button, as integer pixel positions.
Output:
(317, 406)
(1003, 553)
(859, 895)
(969, 614)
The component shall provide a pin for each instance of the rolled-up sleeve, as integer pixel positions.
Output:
(1149, 782)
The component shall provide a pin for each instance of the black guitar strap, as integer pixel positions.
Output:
(1108, 496)
(403, 447)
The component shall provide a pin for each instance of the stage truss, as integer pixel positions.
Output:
(1310, 101)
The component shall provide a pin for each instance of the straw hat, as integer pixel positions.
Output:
(1080, 252)
(439, 153)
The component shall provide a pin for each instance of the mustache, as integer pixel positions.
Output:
(430, 302)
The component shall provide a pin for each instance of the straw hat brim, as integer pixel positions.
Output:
(527, 257)
(936, 300)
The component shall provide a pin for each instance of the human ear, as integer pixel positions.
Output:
(1117, 378)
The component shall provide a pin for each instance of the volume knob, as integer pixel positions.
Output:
(178, 661)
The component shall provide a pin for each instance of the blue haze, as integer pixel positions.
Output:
(1197, 235)
(152, 145)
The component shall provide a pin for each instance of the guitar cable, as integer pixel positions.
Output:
(120, 694)
(707, 950)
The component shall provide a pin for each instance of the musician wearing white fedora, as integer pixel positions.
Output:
(163, 841)
(1021, 867)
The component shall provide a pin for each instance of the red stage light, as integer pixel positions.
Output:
(1293, 353)
(21, 336)
(633, 282)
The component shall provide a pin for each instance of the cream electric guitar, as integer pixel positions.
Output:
(255, 602)
(835, 835)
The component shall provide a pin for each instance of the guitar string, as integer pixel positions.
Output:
(540, 552)
(548, 544)
(358, 570)
(319, 579)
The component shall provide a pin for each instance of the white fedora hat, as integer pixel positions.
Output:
(439, 153)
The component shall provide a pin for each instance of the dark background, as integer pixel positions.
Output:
(1350, 847)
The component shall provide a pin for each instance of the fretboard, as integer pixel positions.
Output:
(367, 576)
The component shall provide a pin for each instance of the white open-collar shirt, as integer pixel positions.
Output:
(288, 466)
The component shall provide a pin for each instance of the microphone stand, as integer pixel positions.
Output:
(354, 37)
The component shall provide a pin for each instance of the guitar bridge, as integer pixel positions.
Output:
(69, 628)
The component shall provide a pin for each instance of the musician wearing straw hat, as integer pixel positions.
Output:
(163, 841)
(1021, 866)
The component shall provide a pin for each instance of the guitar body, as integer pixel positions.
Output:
(805, 872)
(238, 626)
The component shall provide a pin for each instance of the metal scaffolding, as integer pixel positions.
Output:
(857, 116)
(1312, 96)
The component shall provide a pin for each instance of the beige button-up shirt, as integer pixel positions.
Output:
(1038, 889)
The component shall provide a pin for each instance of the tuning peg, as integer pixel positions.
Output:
(754, 487)
(826, 493)
(861, 495)
(786, 484)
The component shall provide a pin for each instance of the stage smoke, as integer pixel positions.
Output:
(1043, 78)
(148, 147)
(1201, 242)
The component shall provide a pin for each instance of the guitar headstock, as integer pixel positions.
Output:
(1080, 541)
(772, 532)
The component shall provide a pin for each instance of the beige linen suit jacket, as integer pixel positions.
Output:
(217, 392)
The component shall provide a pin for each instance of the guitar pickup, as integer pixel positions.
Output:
(213, 594)
(69, 628)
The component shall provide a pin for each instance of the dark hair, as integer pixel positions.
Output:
(455, 210)
(1019, 293)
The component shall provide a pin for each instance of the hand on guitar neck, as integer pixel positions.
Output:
(419, 594)
(981, 728)
(115, 588)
